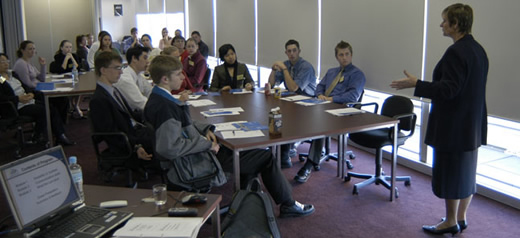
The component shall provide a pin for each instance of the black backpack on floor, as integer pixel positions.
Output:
(250, 214)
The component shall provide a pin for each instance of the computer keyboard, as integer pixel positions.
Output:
(74, 222)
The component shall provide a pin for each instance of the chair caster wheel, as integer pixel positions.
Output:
(349, 165)
(407, 183)
(346, 178)
(355, 191)
(396, 193)
(352, 156)
(317, 167)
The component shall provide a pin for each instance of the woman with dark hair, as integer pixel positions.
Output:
(82, 52)
(147, 42)
(457, 125)
(27, 73)
(194, 65)
(105, 44)
(64, 59)
(231, 74)
(11, 90)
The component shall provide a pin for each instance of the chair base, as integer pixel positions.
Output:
(377, 179)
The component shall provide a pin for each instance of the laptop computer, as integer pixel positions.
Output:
(44, 200)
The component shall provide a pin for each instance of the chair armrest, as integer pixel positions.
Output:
(8, 110)
(410, 127)
(359, 105)
(98, 137)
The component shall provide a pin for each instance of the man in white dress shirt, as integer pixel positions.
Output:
(132, 84)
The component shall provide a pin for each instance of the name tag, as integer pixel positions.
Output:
(240, 77)
(191, 63)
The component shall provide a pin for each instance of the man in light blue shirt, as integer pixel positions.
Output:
(341, 85)
(298, 76)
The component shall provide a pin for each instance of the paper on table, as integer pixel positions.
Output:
(345, 111)
(241, 134)
(60, 89)
(201, 103)
(226, 126)
(219, 113)
(311, 102)
(63, 80)
(176, 227)
(233, 109)
(190, 97)
(295, 98)
(239, 91)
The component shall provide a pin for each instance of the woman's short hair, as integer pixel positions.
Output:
(222, 51)
(163, 65)
(168, 50)
(460, 14)
(23, 45)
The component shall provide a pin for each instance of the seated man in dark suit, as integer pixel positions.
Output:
(177, 136)
(341, 85)
(110, 112)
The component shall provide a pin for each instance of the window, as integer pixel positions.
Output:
(154, 23)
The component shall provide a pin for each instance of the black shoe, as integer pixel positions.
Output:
(303, 175)
(433, 230)
(296, 210)
(462, 224)
(286, 163)
(62, 139)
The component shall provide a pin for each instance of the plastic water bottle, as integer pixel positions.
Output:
(77, 175)
(75, 75)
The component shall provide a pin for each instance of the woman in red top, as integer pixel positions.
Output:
(195, 65)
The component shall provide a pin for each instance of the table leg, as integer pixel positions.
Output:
(236, 169)
(215, 221)
(394, 161)
(48, 120)
(341, 156)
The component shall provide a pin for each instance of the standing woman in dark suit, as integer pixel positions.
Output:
(457, 125)
(231, 74)
(82, 52)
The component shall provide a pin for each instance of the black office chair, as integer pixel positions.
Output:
(205, 81)
(397, 107)
(9, 120)
(326, 155)
(111, 163)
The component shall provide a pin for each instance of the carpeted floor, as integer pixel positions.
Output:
(338, 212)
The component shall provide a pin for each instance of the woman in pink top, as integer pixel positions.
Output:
(27, 73)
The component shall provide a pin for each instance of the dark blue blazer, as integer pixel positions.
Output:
(458, 116)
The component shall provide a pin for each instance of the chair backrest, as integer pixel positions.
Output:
(205, 81)
(358, 106)
(398, 105)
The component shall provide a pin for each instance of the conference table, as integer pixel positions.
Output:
(299, 123)
(85, 85)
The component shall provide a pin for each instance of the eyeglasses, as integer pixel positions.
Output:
(5, 61)
(116, 67)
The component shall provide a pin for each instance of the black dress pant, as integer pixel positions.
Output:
(37, 112)
(258, 161)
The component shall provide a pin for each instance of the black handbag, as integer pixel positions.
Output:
(199, 171)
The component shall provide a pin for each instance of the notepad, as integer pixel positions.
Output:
(175, 227)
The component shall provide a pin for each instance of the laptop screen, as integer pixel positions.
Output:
(38, 187)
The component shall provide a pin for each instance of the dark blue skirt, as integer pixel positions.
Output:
(454, 174)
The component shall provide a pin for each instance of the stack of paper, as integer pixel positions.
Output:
(295, 98)
(175, 227)
(312, 101)
(239, 91)
(201, 103)
(214, 112)
(345, 111)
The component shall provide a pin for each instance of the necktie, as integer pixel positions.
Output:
(120, 101)
(334, 83)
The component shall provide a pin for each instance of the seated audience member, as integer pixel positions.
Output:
(110, 112)
(106, 45)
(177, 135)
(11, 90)
(342, 84)
(132, 41)
(195, 65)
(82, 52)
(30, 76)
(180, 43)
(231, 74)
(90, 40)
(178, 32)
(147, 42)
(132, 84)
(186, 86)
(166, 39)
(203, 48)
(94, 47)
(64, 59)
(298, 76)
